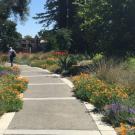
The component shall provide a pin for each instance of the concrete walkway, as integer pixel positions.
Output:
(50, 108)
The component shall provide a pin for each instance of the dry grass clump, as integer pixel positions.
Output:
(114, 72)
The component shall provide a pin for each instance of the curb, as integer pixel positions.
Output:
(5, 121)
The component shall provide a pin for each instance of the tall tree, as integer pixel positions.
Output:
(7, 7)
(109, 25)
(59, 13)
(63, 14)
(8, 34)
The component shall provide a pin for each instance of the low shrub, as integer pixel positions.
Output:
(10, 101)
(122, 111)
(20, 84)
(3, 58)
(54, 68)
(116, 101)
(113, 72)
(97, 57)
(99, 93)
(131, 132)
(66, 62)
(9, 70)
(130, 63)
(11, 85)
(38, 63)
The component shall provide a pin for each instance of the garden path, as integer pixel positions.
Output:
(50, 108)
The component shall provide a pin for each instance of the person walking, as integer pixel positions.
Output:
(12, 55)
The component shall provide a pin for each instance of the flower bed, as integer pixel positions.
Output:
(115, 101)
(11, 86)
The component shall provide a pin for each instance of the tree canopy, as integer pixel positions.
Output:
(8, 34)
(106, 26)
(16, 7)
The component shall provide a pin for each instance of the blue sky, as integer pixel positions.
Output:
(30, 27)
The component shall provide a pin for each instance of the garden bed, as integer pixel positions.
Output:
(11, 86)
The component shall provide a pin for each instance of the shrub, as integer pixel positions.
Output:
(63, 39)
(37, 63)
(97, 57)
(113, 72)
(3, 59)
(10, 88)
(121, 111)
(99, 93)
(2, 109)
(66, 62)
(130, 63)
(131, 132)
(54, 68)
(80, 83)
(20, 84)
(10, 101)
(9, 70)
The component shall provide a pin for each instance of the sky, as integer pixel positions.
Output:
(30, 26)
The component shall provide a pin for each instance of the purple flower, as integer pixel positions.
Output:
(4, 72)
(131, 110)
(119, 108)
(132, 120)
(113, 107)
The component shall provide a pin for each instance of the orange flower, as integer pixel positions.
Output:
(123, 129)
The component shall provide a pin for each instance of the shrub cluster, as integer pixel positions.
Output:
(9, 70)
(55, 61)
(3, 58)
(113, 99)
(11, 86)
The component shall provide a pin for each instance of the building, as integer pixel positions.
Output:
(30, 44)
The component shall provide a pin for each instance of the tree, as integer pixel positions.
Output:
(109, 25)
(9, 36)
(28, 37)
(62, 14)
(17, 7)
(59, 13)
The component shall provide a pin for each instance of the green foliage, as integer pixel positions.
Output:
(8, 35)
(80, 91)
(16, 7)
(109, 25)
(37, 63)
(97, 57)
(56, 13)
(66, 62)
(54, 68)
(113, 71)
(121, 111)
(95, 91)
(3, 59)
(63, 37)
(10, 102)
(132, 132)
(130, 63)
(57, 40)
(10, 88)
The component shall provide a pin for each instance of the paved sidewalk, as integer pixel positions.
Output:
(50, 108)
